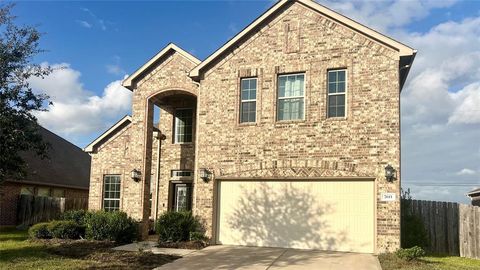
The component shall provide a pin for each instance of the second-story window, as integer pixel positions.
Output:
(337, 87)
(248, 104)
(183, 125)
(291, 95)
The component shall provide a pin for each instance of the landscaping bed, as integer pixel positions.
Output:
(180, 230)
(17, 252)
(183, 245)
(391, 262)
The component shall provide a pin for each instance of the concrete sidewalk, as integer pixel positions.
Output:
(235, 257)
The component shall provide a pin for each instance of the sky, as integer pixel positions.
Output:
(94, 45)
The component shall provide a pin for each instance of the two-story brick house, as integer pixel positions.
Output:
(279, 138)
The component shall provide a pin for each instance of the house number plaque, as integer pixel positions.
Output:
(388, 197)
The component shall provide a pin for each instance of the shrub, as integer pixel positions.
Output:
(198, 236)
(66, 229)
(40, 231)
(177, 226)
(114, 226)
(77, 216)
(409, 254)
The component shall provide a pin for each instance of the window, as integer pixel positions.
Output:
(291, 94)
(43, 192)
(180, 173)
(183, 125)
(58, 193)
(27, 190)
(111, 193)
(248, 97)
(337, 86)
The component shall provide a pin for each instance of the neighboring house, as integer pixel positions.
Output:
(279, 138)
(65, 173)
(475, 196)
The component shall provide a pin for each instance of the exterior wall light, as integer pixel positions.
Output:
(390, 173)
(205, 174)
(136, 175)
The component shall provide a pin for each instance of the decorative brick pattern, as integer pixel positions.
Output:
(295, 40)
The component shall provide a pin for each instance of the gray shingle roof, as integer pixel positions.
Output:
(67, 164)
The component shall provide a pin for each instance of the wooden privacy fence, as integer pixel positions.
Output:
(34, 209)
(452, 228)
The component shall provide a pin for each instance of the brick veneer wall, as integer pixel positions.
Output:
(301, 40)
(297, 39)
(8, 203)
(112, 157)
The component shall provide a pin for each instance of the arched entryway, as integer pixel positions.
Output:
(170, 151)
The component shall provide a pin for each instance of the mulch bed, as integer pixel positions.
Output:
(183, 245)
(104, 257)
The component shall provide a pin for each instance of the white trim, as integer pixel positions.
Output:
(304, 74)
(338, 94)
(248, 100)
(403, 49)
(89, 148)
(119, 192)
(128, 82)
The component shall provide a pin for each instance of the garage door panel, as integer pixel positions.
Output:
(326, 215)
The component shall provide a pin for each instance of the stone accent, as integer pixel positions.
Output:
(295, 40)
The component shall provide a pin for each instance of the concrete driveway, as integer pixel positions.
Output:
(235, 257)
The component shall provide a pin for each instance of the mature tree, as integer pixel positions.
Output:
(19, 130)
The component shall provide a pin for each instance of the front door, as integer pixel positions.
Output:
(182, 199)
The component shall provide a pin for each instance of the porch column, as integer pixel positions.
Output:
(137, 194)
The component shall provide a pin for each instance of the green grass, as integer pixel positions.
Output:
(392, 262)
(18, 252)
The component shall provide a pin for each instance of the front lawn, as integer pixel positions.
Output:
(18, 252)
(392, 262)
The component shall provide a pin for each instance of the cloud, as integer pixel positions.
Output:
(115, 68)
(388, 14)
(441, 99)
(84, 24)
(75, 110)
(467, 110)
(441, 108)
(99, 21)
(466, 171)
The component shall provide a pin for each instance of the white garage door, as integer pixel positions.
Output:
(324, 215)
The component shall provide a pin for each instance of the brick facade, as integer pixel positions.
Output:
(296, 39)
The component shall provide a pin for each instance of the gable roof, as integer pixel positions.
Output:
(121, 124)
(66, 166)
(125, 121)
(128, 82)
(474, 193)
(403, 49)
